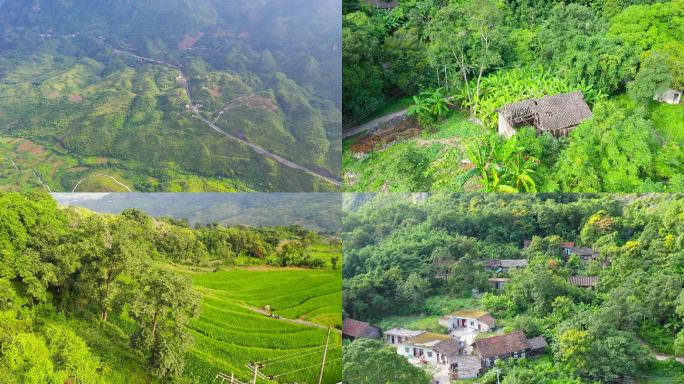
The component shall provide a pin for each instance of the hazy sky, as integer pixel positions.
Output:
(318, 211)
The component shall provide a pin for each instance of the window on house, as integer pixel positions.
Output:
(429, 354)
(407, 349)
(472, 323)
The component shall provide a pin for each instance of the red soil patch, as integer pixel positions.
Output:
(404, 130)
(189, 41)
(75, 98)
(30, 147)
(252, 102)
(215, 92)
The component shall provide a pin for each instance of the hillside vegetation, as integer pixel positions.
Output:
(99, 298)
(460, 62)
(120, 87)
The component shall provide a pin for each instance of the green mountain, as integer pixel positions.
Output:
(321, 212)
(185, 95)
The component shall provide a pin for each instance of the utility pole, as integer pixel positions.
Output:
(255, 368)
(497, 375)
(325, 354)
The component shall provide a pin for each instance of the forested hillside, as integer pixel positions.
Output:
(170, 96)
(409, 260)
(450, 68)
(100, 298)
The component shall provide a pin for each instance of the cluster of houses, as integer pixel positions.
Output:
(460, 354)
(502, 267)
(464, 352)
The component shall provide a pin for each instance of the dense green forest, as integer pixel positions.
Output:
(100, 298)
(120, 88)
(398, 248)
(450, 64)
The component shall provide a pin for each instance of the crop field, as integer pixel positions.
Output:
(326, 251)
(234, 329)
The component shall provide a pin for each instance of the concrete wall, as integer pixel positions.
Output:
(505, 129)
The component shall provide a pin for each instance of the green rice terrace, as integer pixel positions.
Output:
(235, 329)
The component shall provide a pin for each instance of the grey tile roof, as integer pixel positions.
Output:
(537, 343)
(447, 347)
(549, 113)
(583, 281)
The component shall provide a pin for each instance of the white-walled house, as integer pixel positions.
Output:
(670, 96)
(426, 347)
(480, 321)
(396, 336)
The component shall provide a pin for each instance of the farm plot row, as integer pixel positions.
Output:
(311, 295)
(229, 336)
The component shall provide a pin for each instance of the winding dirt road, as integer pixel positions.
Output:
(371, 124)
(258, 149)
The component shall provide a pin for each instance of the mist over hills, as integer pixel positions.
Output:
(316, 211)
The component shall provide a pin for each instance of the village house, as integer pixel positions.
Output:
(510, 345)
(480, 321)
(499, 282)
(670, 96)
(557, 114)
(355, 329)
(585, 254)
(429, 348)
(583, 281)
(566, 247)
(504, 265)
(399, 335)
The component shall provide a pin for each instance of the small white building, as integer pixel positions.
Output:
(467, 366)
(480, 321)
(422, 347)
(396, 336)
(670, 97)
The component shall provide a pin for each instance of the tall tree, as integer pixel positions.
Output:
(467, 36)
(110, 246)
(161, 303)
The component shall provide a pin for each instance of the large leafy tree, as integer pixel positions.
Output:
(161, 303)
(467, 38)
(362, 74)
(611, 152)
(110, 247)
(653, 78)
(371, 362)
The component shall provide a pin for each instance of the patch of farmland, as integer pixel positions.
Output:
(292, 293)
(228, 336)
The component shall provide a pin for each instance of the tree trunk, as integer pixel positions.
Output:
(154, 325)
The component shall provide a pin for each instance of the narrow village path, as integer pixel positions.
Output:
(296, 321)
(372, 124)
(258, 149)
(658, 355)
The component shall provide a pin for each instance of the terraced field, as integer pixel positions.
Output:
(235, 330)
